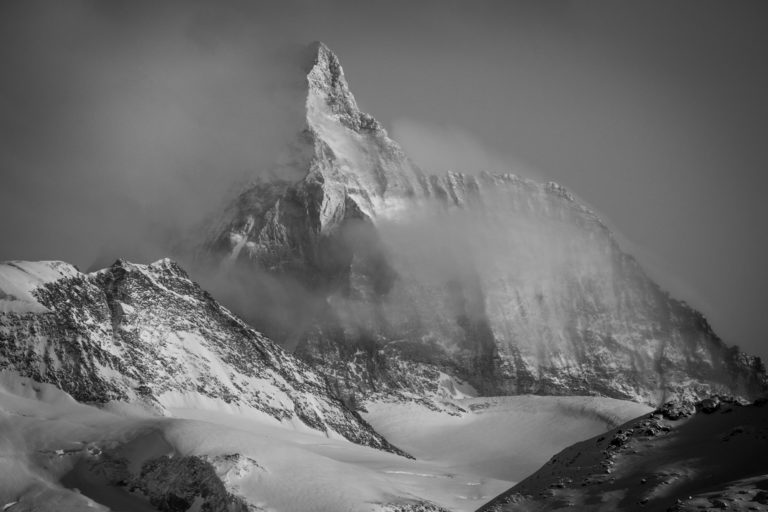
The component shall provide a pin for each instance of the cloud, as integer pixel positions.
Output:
(124, 123)
(441, 148)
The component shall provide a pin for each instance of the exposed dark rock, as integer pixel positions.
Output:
(175, 484)
(677, 409)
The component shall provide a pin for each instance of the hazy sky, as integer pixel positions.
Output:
(121, 121)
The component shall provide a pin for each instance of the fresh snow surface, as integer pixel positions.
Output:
(462, 461)
(18, 279)
(504, 438)
(44, 433)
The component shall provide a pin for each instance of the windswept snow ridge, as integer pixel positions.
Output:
(148, 335)
(18, 279)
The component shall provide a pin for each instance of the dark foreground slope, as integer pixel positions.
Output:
(717, 458)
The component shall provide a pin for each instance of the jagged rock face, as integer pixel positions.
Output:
(507, 283)
(148, 334)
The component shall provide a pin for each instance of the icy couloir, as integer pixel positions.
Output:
(148, 335)
(509, 284)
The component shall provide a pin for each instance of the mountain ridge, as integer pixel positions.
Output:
(149, 335)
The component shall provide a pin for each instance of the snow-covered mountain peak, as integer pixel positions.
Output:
(515, 285)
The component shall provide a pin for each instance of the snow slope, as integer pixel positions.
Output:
(51, 444)
(504, 438)
(18, 279)
(46, 438)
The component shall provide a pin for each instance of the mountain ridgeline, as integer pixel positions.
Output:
(383, 277)
(150, 336)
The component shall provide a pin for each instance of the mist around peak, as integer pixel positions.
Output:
(153, 127)
(439, 149)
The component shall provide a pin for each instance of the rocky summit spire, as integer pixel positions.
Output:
(328, 93)
(326, 79)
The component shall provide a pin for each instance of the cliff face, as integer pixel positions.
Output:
(506, 283)
(147, 334)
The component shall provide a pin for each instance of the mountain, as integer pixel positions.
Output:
(402, 296)
(386, 278)
(131, 388)
(711, 456)
(149, 336)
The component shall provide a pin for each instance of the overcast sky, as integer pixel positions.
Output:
(123, 121)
